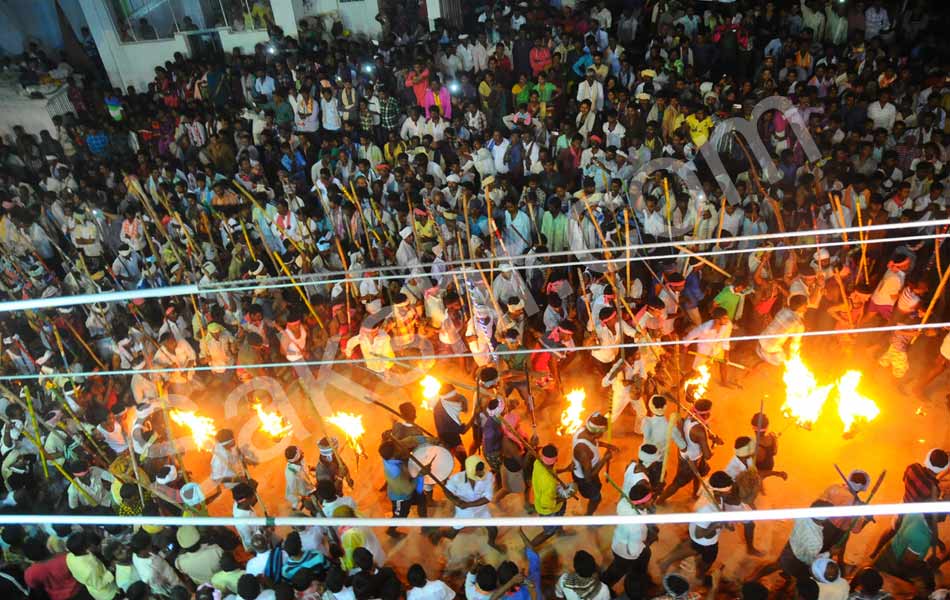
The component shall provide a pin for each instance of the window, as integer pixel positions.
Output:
(143, 20)
(148, 20)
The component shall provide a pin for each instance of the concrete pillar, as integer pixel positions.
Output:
(107, 39)
(284, 16)
(433, 11)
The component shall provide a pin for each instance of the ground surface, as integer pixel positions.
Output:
(906, 429)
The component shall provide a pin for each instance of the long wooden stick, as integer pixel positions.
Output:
(626, 234)
(844, 298)
(933, 301)
(703, 260)
(247, 240)
(36, 430)
(83, 343)
(303, 295)
(669, 207)
(862, 236)
(257, 204)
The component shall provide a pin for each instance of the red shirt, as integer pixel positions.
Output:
(53, 577)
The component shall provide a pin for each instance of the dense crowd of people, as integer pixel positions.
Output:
(473, 193)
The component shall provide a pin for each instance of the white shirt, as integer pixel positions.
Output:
(498, 151)
(331, 114)
(703, 506)
(882, 116)
(306, 113)
(705, 335)
(412, 128)
(593, 92)
(886, 292)
(432, 590)
(459, 485)
(628, 540)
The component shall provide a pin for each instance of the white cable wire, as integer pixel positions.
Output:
(346, 276)
(307, 280)
(433, 357)
(771, 514)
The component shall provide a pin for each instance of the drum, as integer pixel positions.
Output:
(441, 460)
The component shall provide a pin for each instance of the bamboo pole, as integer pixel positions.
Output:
(862, 236)
(36, 430)
(836, 204)
(346, 282)
(135, 464)
(257, 204)
(303, 295)
(583, 286)
(937, 294)
(247, 240)
(703, 260)
(844, 298)
(83, 343)
(626, 233)
(412, 223)
(669, 207)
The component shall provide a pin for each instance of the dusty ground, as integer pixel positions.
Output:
(906, 429)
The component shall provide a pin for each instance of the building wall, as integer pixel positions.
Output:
(127, 63)
(359, 16)
(35, 20)
(245, 40)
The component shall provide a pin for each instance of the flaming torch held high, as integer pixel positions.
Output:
(804, 398)
(430, 391)
(852, 405)
(202, 428)
(571, 415)
(272, 423)
(352, 426)
(699, 383)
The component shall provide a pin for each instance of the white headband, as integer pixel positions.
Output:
(931, 466)
(170, 477)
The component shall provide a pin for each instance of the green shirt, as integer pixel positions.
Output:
(728, 299)
(555, 230)
(516, 362)
(914, 535)
(545, 91)
(283, 114)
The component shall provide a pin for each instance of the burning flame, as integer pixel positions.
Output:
(202, 428)
(852, 406)
(352, 426)
(272, 423)
(430, 390)
(804, 398)
(571, 415)
(700, 382)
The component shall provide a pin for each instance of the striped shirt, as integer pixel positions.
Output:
(919, 483)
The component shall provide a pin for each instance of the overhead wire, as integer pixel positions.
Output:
(348, 276)
(676, 518)
(433, 357)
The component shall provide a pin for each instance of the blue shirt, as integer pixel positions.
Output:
(534, 576)
(265, 85)
(98, 143)
(580, 66)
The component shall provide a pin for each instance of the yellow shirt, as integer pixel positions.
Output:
(89, 571)
(484, 90)
(544, 484)
(699, 130)
(226, 581)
